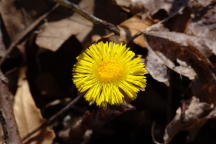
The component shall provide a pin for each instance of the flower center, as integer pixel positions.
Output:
(110, 71)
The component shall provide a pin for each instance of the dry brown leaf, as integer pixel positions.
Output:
(187, 56)
(2, 46)
(13, 25)
(134, 25)
(157, 68)
(190, 118)
(54, 34)
(123, 3)
(17, 15)
(151, 7)
(171, 53)
(205, 45)
(203, 22)
(27, 115)
(187, 61)
(1, 136)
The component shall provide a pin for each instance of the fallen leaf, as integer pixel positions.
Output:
(157, 68)
(53, 34)
(2, 45)
(207, 46)
(150, 6)
(173, 55)
(183, 54)
(193, 64)
(123, 3)
(17, 15)
(203, 22)
(13, 25)
(190, 117)
(27, 115)
(134, 25)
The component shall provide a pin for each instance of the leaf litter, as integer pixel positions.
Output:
(176, 40)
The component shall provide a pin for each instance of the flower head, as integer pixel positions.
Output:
(109, 73)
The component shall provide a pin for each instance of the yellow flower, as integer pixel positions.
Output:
(109, 73)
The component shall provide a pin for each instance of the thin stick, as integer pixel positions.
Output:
(8, 122)
(92, 18)
(4, 128)
(54, 117)
(156, 25)
(24, 33)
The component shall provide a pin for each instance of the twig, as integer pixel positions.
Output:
(156, 25)
(24, 33)
(2, 51)
(54, 117)
(92, 18)
(134, 37)
(11, 133)
(3, 124)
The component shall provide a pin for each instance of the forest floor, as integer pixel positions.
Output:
(39, 45)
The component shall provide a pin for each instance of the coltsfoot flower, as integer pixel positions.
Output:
(109, 73)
